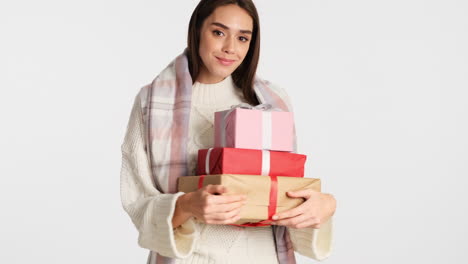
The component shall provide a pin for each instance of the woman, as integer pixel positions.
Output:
(173, 117)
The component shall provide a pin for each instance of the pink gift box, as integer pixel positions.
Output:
(254, 129)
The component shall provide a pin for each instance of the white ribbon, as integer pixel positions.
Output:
(265, 162)
(266, 122)
(266, 131)
(207, 161)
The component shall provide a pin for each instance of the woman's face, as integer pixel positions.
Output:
(224, 42)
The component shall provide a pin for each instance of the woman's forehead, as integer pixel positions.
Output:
(232, 16)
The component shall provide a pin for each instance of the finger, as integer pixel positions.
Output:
(233, 220)
(230, 220)
(315, 226)
(310, 222)
(306, 193)
(232, 206)
(215, 189)
(216, 218)
(227, 199)
(223, 208)
(304, 224)
(289, 213)
(227, 215)
(293, 221)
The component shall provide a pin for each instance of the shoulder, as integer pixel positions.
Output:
(277, 89)
(142, 97)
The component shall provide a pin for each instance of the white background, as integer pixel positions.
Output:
(378, 88)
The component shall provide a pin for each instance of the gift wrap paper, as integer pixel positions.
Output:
(257, 190)
(250, 161)
(254, 129)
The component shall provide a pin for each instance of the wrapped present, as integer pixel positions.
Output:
(266, 195)
(259, 127)
(250, 161)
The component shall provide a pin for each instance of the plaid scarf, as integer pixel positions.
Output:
(166, 114)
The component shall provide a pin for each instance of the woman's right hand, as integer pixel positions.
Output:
(206, 205)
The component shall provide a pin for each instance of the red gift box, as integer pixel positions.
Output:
(250, 162)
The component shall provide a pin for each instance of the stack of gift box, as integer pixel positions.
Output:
(253, 155)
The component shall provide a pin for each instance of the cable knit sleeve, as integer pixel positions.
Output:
(150, 211)
(313, 243)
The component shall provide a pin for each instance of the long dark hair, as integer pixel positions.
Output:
(244, 75)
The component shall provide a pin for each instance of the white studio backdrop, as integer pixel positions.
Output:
(380, 100)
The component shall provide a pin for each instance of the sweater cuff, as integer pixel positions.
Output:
(313, 243)
(169, 242)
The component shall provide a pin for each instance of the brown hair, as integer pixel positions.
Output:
(244, 75)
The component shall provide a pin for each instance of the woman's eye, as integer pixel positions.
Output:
(244, 39)
(218, 33)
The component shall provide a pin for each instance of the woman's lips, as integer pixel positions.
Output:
(225, 62)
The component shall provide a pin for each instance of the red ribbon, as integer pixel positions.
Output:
(271, 205)
(200, 181)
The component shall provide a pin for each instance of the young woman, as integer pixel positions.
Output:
(173, 117)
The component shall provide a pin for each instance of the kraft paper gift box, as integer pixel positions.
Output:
(254, 129)
(250, 161)
(263, 201)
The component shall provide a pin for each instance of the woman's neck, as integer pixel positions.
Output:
(206, 78)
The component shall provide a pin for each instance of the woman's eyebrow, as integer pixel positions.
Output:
(244, 31)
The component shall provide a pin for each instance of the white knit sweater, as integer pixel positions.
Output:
(195, 242)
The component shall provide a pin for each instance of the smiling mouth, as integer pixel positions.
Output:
(225, 62)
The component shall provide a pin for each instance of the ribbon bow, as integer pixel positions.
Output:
(263, 107)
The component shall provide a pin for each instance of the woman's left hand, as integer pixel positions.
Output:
(317, 209)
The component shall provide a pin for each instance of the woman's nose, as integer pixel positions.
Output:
(229, 45)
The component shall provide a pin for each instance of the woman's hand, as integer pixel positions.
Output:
(317, 209)
(205, 205)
